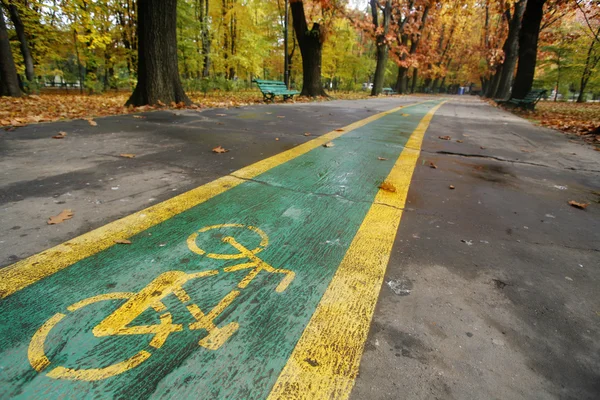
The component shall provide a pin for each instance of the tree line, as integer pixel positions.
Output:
(159, 47)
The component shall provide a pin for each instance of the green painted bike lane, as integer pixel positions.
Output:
(309, 208)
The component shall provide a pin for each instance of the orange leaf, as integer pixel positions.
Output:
(444, 137)
(306, 133)
(63, 216)
(123, 241)
(451, 187)
(60, 135)
(92, 122)
(339, 130)
(388, 187)
(581, 206)
(432, 165)
(127, 155)
(219, 150)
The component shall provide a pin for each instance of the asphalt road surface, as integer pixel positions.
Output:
(491, 290)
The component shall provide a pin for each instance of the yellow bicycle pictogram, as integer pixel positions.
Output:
(150, 297)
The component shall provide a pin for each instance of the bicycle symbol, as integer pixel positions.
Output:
(150, 297)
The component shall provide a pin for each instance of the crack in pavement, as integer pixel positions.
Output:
(317, 193)
(450, 153)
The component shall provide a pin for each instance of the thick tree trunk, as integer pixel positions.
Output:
(414, 80)
(9, 81)
(158, 76)
(311, 48)
(511, 52)
(20, 29)
(382, 56)
(402, 80)
(493, 83)
(528, 43)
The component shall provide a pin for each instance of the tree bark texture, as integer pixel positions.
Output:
(528, 44)
(9, 82)
(158, 75)
(311, 49)
(24, 44)
(511, 51)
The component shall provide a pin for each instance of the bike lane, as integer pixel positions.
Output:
(212, 302)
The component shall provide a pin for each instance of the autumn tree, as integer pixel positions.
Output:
(511, 49)
(381, 13)
(591, 14)
(310, 42)
(158, 74)
(9, 81)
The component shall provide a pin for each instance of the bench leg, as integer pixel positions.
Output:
(269, 98)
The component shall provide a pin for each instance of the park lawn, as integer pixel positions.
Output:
(21, 111)
(578, 119)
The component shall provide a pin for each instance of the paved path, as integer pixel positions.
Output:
(261, 282)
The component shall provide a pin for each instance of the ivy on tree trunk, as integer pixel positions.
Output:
(158, 74)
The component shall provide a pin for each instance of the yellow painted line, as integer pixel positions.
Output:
(25, 272)
(324, 363)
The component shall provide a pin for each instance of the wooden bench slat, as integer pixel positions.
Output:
(270, 89)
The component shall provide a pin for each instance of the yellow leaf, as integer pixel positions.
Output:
(63, 216)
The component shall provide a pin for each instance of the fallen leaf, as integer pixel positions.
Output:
(387, 186)
(381, 158)
(63, 216)
(329, 144)
(281, 116)
(432, 165)
(122, 241)
(581, 206)
(139, 116)
(221, 115)
(339, 130)
(405, 115)
(127, 155)
(306, 133)
(276, 138)
(527, 151)
(60, 135)
(451, 187)
(219, 149)
(459, 141)
(445, 137)
(160, 103)
(92, 122)
(482, 148)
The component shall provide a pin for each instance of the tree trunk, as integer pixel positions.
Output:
(528, 43)
(511, 52)
(20, 30)
(158, 76)
(311, 48)
(493, 83)
(591, 61)
(9, 81)
(402, 80)
(382, 56)
(414, 80)
(382, 47)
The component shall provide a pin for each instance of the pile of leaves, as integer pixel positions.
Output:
(580, 119)
(16, 112)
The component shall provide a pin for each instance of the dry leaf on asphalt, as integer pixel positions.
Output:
(127, 155)
(139, 116)
(92, 122)
(63, 216)
(60, 135)
(281, 116)
(221, 115)
(388, 187)
(459, 141)
(122, 241)
(444, 137)
(451, 187)
(219, 150)
(482, 147)
(527, 151)
(432, 165)
(339, 130)
(329, 144)
(381, 158)
(405, 115)
(581, 206)
(276, 138)
(306, 133)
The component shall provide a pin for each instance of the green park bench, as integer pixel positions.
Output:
(388, 91)
(270, 89)
(530, 100)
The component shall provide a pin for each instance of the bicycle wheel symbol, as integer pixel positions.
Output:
(191, 242)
